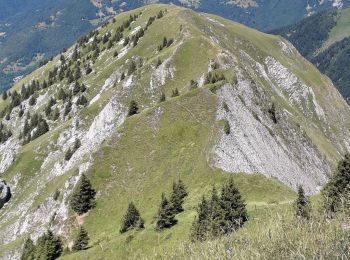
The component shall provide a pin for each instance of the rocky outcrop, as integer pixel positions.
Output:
(5, 193)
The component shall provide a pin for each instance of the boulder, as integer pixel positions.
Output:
(5, 193)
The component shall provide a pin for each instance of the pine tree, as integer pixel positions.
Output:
(48, 247)
(28, 252)
(334, 191)
(132, 68)
(68, 108)
(232, 204)
(201, 225)
(76, 88)
(4, 95)
(272, 113)
(216, 214)
(162, 97)
(32, 101)
(83, 198)
(68, 154)
(302, 205)
(165, 217)
(133, 108)
(61, 94)
(82, 240)
(131, 219)
(193, 84)
(177, 197)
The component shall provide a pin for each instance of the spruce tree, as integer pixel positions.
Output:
(162, 97)
(201, 225)
(334, 191)
(82, 240)
(302, 205)
(68, 154)
(177, 197)
(131, 219)
(216, 214)
(232, 204)
(4, 95)
(132, 68)
(48, 247)
(32, 101)
(165, 217)
(83, 198)
(28, 252)
(133, 108)
(175, 93)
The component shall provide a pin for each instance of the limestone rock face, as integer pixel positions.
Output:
(5, 193)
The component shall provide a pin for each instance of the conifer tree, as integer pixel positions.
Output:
(32, 101)
(61, 94)
(82, 101)
(177, 197)
(232, 204)
(216, 214)
(334, 191)
(193, 84)
(175, 93)
(68, 154)
(272, 113)
(28, 252)
(133, 108)
(165, 217)
(82, 240)
(4, 95)
(162, 97)
(131, 219)
(302, 205)
(83, 198)
(201, 226)
(132, 68)
(48, 247)
(68, 107)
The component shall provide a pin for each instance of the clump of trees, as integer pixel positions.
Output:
(214, 77)
(34, 128)
(175, 93)
(166, 43)
(222, 214)
(168, 209)
(83, 198)
(48, 246)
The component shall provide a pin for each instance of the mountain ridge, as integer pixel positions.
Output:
(275, 103)
(38, 30)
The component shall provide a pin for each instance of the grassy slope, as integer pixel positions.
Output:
(140, 162)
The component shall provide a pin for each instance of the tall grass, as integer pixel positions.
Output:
(277, 236)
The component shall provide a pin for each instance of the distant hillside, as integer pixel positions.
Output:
(324, 39)
(32, 31)
(158, 94)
